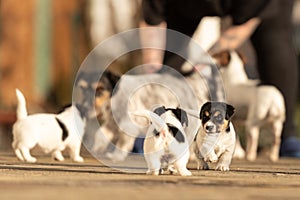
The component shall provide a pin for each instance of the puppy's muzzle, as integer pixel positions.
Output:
(209, 128)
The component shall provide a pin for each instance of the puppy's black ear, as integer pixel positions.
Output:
(159, 110)
(112, 78)
(206, 106)
(223, 58)
(229, 111)
(181, 115)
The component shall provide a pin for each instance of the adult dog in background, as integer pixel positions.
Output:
(264, 105)
(51, 132)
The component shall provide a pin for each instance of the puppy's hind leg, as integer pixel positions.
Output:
(57, 155)
(74, 152)
(154, 165)
(180, 165)
(277, 129)
(19, 154)
(26, 153)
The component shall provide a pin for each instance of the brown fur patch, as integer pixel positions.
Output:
(102, 99)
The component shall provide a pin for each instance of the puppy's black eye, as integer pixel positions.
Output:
(219, 118)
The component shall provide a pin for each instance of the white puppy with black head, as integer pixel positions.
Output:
(166, 144)
(215, 140)
(51, 132)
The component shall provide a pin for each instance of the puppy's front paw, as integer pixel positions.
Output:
(185, 172)
(31, 160)
(153, 172)
(211, 158)
(57, 155)
(78, 159)
(222, 167)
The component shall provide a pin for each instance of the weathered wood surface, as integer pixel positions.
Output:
(52, 180)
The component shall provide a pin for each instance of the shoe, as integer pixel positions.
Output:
(290, 147)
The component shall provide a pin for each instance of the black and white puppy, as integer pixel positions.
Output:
(51, 132)
(215, 140)
(166, 144)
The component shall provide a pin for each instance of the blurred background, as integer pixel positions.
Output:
(43, 43)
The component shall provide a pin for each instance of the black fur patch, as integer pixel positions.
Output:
(155, 132)
(180, 114)
(160, 110)
(64, 129)
(228, 128)
(178, 135)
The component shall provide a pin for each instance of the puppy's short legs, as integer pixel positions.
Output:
(154, 166)
(211, 157)
(180, 165)
(74, 152)
(201, 164)
(57, 155)
(277, 128)
(19, 154)
(172, 169)
(252, 142)
(224, 161)
(26, 153)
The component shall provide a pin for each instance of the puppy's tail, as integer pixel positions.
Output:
(21, 108)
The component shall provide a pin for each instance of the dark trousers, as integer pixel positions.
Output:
(277, 60)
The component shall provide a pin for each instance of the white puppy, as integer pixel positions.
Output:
(215, 141)
(166, 143)
(52, 132)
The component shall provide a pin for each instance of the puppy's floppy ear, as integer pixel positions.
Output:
(181, 115)
(205, 107)
(229, 111)
(223, 58)
(160, 110)
(112, 78)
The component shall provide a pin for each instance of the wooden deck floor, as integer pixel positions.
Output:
(48, 179)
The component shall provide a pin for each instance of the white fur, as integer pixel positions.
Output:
(264, 105)
(221, 149)
(156, 147)
(43, 130)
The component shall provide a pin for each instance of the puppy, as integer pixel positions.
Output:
(215, 140)
(166, 145)
(256, 105)
(52, 132)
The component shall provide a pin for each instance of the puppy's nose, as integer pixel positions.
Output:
(209, 127)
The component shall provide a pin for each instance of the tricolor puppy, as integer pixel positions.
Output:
(52, 132)
(166, 145)
(215, 140)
